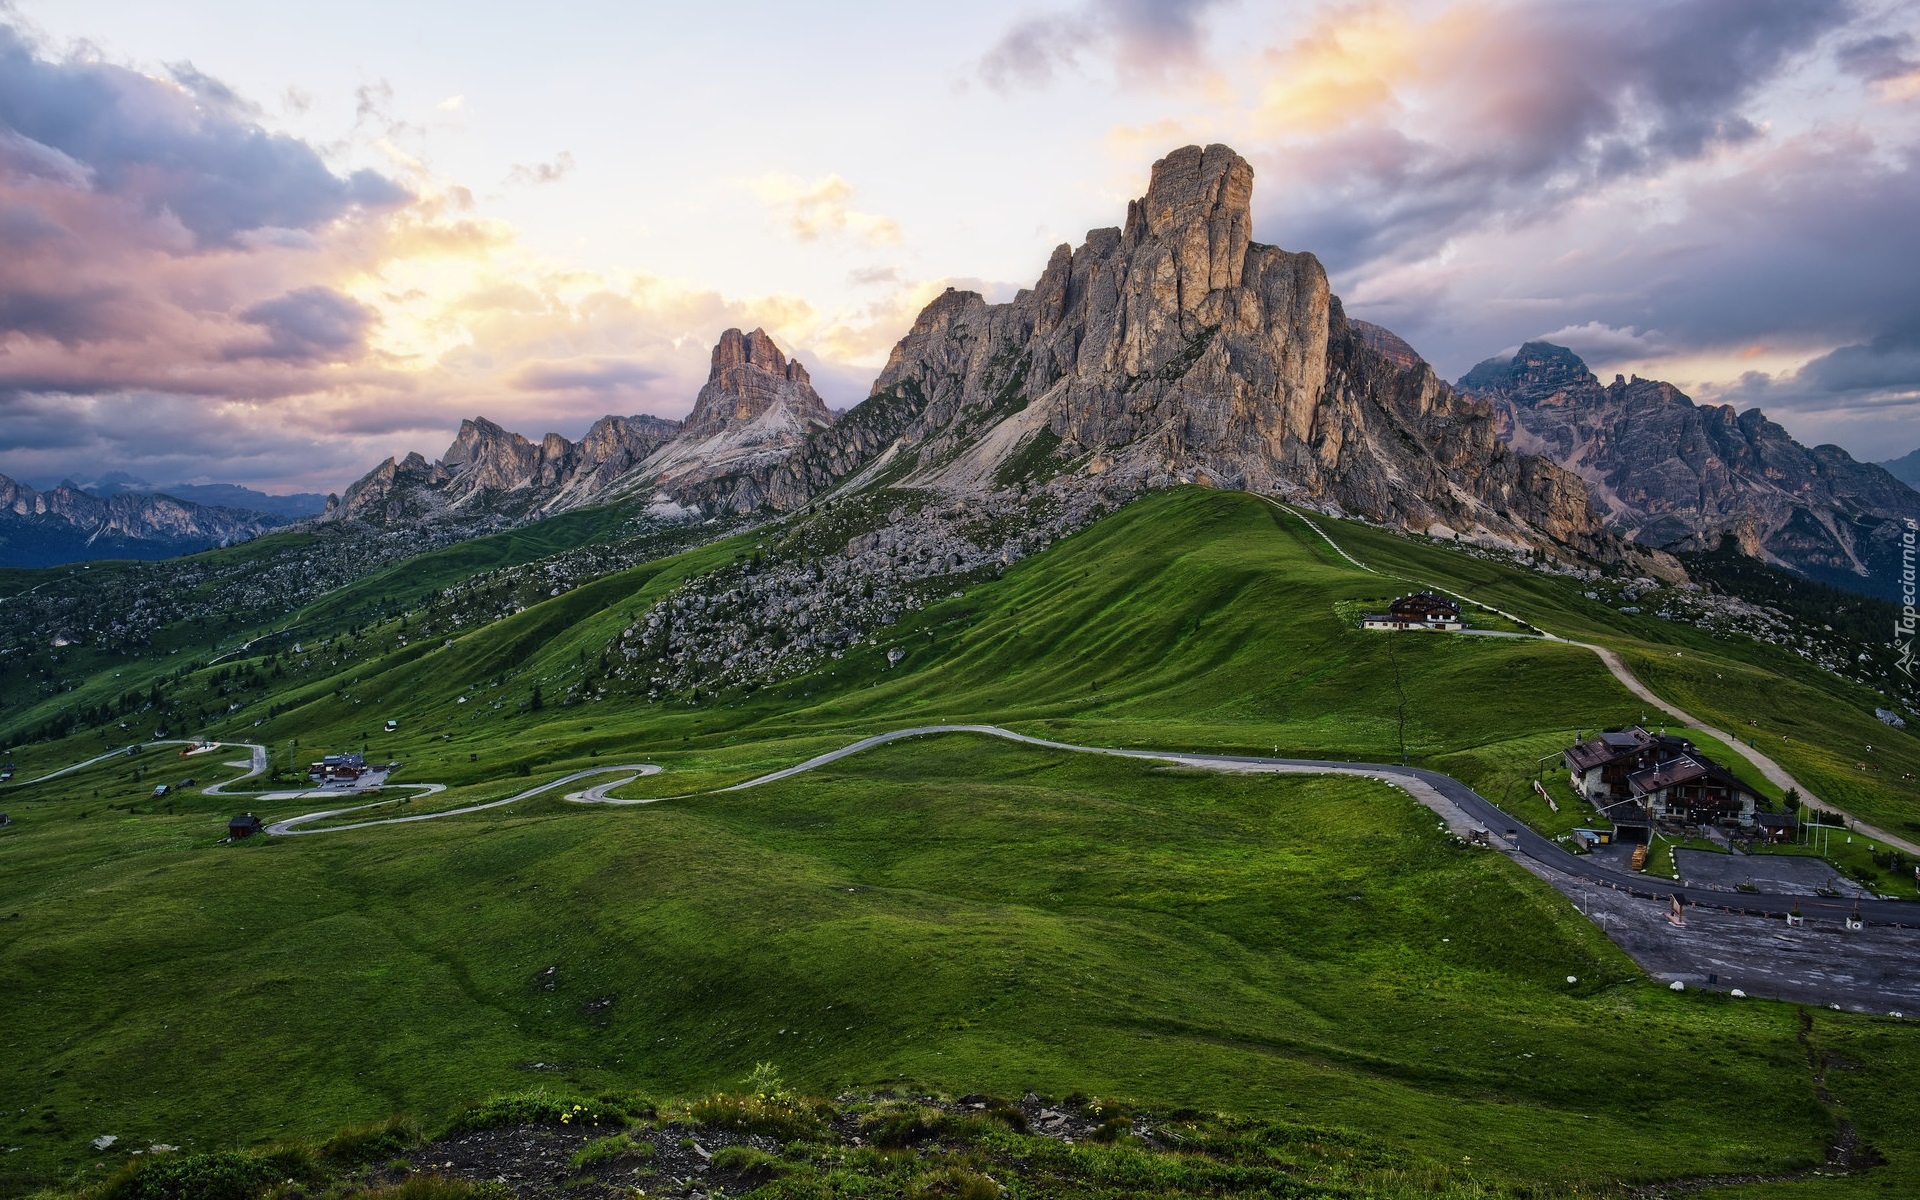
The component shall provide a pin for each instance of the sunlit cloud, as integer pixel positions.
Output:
(822, 208)
(544, 172)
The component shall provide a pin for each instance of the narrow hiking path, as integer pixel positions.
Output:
(1772, 771)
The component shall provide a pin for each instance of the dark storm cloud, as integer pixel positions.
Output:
(1889, 363)
(1879, 58)
(69, 317)
(1810, 246)
(188, 151)
(308, 325)
(1546, 104)
(156, 435)
(1143, 36)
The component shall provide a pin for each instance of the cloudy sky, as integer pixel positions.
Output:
(240, 241)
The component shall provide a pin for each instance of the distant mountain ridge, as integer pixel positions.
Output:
(64, 524)
(293, 506)
(1670, 473)
(757, 408)
(1906, 468)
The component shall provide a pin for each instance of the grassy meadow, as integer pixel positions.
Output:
(955, 911)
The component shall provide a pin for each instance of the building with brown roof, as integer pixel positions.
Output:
(1637, 778)
(1421, 610)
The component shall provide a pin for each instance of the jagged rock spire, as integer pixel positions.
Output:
(749, 377)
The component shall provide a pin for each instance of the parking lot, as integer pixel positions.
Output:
(1778, 874)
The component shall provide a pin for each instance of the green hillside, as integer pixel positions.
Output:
(966, 914)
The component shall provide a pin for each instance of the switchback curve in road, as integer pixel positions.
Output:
(597, 794)
(257, 764)
(287, 828)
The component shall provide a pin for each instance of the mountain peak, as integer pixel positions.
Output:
(1202, 201)
(1536, 369)
(749, 378)
(756, 349)
(477, 435)
(1179, 349)
(1669, 473)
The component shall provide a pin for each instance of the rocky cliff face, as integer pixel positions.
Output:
(1388, 343)
(749, 380)
(1667, 472)
(756, 409)
(1177, 348)
(65, 524)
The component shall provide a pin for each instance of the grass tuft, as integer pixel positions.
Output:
(541, 1107)
(378, 1139)
(784, 1119)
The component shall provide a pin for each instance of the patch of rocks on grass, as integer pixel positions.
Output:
(535, 1161)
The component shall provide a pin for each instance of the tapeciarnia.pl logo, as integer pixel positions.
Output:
(1904, 627)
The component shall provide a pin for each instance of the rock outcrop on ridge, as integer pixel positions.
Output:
(488, 467)
(756, 409)
(65, 524)
(1177, 348)
(1667, 472)
(1390, 344)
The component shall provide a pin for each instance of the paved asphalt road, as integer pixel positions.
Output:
(1508, 831)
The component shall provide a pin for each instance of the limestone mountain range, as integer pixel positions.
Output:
(755, 410)
(1666, 472)
(1173, 348)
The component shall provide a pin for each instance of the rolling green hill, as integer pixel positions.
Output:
(965, 914)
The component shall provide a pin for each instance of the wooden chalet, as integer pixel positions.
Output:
(1421, 610)
(1638, 778)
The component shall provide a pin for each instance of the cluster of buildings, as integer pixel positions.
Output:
(1638, 779)
(338, 768)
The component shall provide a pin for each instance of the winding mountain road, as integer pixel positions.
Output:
(287, 828)
(256, 764)
(1463, 809)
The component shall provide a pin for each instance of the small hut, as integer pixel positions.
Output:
(244, 825)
